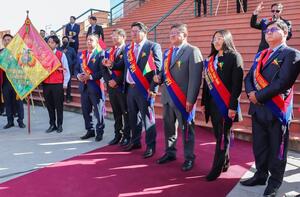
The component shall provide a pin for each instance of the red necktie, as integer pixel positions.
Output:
(267, 56)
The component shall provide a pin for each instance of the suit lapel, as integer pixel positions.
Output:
(141, 60)
(178, 55)
(274, 56)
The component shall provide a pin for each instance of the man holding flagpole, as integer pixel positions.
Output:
(142, 59)
(181, 75)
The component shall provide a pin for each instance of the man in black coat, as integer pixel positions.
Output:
(94, 28)
(276, 10)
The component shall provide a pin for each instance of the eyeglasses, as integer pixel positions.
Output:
(216, 39)
(277, 11)
(271, 30)
(175, 33)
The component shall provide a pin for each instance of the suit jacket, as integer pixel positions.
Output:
(231, 75)
(94, 65)
(280, 74)
(187, 74)
(118, 64)
(262, 25)
(142, 60)
(76, 28)
(98, 31)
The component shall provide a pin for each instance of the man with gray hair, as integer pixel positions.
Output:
(181, 75)
(113, 73)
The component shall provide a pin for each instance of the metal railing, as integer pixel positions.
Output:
(154, 27)
(124, 7)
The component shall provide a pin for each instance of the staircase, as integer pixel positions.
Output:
(201, 30)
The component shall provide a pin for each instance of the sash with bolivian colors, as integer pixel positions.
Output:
(110, 54)
(176, 94)
(135, 72)
(281, 108)
(217, 89)
(96, 84)
(27, 60)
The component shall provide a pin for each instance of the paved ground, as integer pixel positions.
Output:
(22, 153)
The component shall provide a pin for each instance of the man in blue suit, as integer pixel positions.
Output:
(269, 88)
(142, 58)
(89, 74)
(72, 31)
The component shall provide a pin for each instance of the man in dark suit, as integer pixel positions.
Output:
(239, 4)
(72, 31)
(269, 88)
(89, 74)
(198, 6)
(10, 97)
(94, 28)
(276, 10)
(142, 59)
(185, 67)
(72, 59)
(113, 73)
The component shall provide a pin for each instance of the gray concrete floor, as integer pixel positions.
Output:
(22, 153)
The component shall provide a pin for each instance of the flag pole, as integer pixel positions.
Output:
(28, 100)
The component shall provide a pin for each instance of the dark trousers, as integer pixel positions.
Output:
(54, 100)
(198, 6)
(221, 130)
(12, 105)
(267, 137)
(91, 101)
(2, 107)
(173, 118)
(69, 88)
(138, 104)
(238, 6)
(119, 106)
(74, 45)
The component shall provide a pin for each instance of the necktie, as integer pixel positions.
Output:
(267, 56)
(174, 54)
(136, 51)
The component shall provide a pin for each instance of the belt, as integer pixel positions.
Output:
(131, 85)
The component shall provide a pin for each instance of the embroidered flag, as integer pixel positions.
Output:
(27, 60)
(150, 66)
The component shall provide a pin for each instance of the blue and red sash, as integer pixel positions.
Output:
(176, 94)
(217, 89)
(110, 54)
(135, 72)
(96, 84)
(281, 108)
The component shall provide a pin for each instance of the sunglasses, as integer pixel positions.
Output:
(277, 11)
(271, 30)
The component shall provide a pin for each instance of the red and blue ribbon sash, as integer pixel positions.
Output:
(110, 54)
(135, 72)
(217, 89)
(96, 84)
(176, 94)
(281, 108)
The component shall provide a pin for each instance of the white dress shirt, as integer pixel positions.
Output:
(65, 65)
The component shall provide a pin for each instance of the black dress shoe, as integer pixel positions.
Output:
(254, 181)
(89, 134)
(131, 147)
(22, 125)
(124, 141)
(187, 165)
(149, 153)
(51, 129)
(270, 191)
(116, 140)
(8, 125)
(99, 137)
(165, 159)
(59, 129)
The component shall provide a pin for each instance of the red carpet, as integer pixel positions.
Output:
(110, 172)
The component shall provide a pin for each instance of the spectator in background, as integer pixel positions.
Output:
(240, 3)
(72, 60)
(43, 33)
(94, 28)
(276, 10)
(52, 33)
(198, 7)
(72, 31)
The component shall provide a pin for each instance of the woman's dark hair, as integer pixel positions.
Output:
(228, 44)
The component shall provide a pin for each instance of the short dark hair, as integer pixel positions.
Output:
(181, 27)
(65, 37)
(55, 39)
(42, 30)
(279, 5)
(7, 35)
(280, 24)
(141, 26)
(93, 18)
(73, 17)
